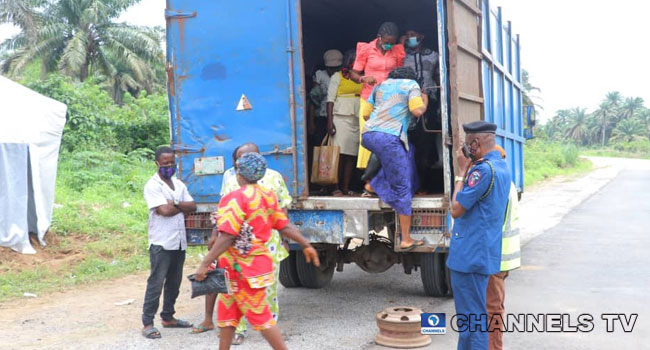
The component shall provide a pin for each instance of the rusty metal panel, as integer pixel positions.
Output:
(319, 226)
(230, 83)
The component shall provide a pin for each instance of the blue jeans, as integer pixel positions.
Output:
(166, 273)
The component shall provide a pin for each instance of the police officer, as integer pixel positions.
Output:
(478, 207)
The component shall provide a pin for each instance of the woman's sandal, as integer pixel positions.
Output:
(200, 329)
(367, 194)
(412, 246)
(151, 333)
(238, 339)
(337, 193)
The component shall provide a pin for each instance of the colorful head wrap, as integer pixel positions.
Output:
(251, 166)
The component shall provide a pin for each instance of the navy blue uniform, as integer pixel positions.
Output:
(475, 248)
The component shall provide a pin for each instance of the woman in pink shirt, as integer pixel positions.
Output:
(373, 63)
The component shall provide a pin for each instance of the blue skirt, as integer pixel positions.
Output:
(397, 179)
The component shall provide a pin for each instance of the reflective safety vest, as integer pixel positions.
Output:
(510, 245)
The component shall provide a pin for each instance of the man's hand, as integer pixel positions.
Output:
(201, 273)
(311, 256)
(463, 162)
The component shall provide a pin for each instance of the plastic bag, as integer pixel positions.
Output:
(214, 283)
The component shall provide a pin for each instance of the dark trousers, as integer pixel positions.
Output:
(167, 274)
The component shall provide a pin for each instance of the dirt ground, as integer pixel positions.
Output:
(87, 314)
(60, 251)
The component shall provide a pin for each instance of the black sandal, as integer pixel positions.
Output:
(151, 333)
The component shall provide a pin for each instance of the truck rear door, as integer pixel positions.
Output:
(485, 77)
(231, 72)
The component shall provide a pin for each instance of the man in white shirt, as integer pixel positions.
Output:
(168, 200)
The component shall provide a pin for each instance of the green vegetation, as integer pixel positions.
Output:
(79, 39)
(544, 159)
(619, 125)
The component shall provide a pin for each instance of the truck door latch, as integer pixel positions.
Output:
(276, 150)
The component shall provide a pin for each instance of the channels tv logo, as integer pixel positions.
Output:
(433, 323)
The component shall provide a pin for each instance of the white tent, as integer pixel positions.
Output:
(31, 126)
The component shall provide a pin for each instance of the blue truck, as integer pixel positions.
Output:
(238, 72)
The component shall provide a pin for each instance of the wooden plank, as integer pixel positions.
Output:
(470, 51)
(469, 97)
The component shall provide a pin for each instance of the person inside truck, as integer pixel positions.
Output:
(273, 181)
(317, 117)
(343, 123)
(428, 146)
(246, 218)
(391, 105)
(371, 67)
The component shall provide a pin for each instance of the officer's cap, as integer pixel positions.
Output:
(480, 127)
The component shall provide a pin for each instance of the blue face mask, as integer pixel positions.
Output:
(412, 42)
(387, 47)
(167, 171)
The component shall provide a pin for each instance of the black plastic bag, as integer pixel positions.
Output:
(214, 283)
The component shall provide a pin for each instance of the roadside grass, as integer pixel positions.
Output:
(99, 226)
(613, 153)
(544, 160)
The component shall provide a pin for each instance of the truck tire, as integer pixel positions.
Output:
(311, 276)
(433, 274)
(448, 278)
(289, 272)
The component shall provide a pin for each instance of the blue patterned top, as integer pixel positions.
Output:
(391, 113)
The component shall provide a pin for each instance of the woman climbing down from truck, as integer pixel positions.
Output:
(391, 105)
(371, 67)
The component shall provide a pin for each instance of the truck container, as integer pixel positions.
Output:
(238, 72)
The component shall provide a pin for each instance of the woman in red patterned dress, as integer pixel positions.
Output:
(245, 220)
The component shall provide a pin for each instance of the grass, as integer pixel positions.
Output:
(544, 160)
(613, 153)
(100, 220)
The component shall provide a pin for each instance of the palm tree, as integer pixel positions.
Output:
(21, 13)
(607, 112)
(79, 38)
(577, 125)
(631, 106)
(644, 118)
(528, 95)
(627, 130)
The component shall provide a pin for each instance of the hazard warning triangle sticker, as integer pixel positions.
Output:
(243, 104)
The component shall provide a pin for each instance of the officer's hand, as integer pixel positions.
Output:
(463, 162)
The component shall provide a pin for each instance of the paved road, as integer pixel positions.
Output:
(594, 261)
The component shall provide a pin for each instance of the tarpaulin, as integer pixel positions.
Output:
(31, 126)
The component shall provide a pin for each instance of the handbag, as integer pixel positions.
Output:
(325, 167)
(214, 283)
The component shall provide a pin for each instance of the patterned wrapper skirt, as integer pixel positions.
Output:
(397, 179)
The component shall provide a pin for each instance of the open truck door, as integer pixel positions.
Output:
(232, 81)
(485, 78)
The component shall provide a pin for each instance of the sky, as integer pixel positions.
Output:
(575, 51)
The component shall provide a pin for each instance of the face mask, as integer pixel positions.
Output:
(413, 42)
(167, 171)
(387, 47)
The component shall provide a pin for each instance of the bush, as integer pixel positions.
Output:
(544, 159)
(95, 122)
